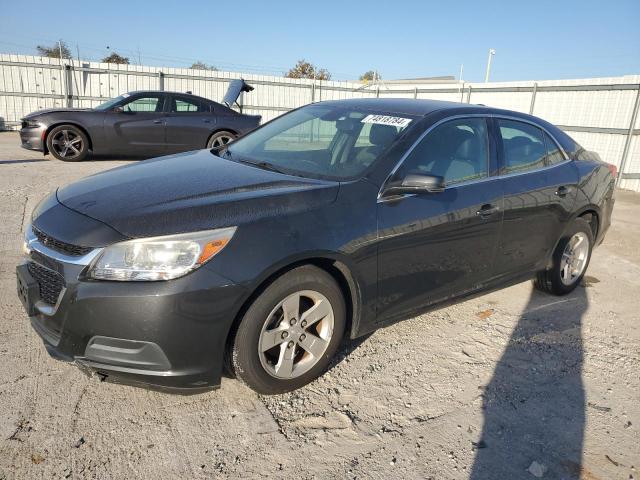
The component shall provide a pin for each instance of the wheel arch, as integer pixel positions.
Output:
(340, 272)
(591, 213)
(60, 123)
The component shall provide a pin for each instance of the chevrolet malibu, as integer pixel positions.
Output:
(331, 221)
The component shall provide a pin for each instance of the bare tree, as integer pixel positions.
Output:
(55, 51)
(115, 58)
(304, 69)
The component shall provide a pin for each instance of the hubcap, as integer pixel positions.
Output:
(67, 144)
(296, 334)
(220, 141)
(574, 258)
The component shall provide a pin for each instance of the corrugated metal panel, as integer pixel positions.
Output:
(29, 83)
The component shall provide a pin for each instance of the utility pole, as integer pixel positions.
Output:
(461, 72)
(492, 52)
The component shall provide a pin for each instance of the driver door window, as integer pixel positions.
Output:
(151, 103)
(457, 150)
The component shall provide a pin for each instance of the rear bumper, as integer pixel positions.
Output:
(32, 138)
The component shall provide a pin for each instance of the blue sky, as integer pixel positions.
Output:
(533, 39)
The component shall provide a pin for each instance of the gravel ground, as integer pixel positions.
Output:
(514, 384)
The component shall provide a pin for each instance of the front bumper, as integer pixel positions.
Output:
(168, 335)
(32, 138)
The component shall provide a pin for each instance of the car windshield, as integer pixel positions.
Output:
(110, 103)
(321, 141)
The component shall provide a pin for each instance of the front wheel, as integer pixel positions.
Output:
(68, 143)
(570, 260)
(289, 334)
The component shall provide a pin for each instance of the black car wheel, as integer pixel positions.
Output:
(68, 143)
(570, 260)
(220, 139)
(290, 332)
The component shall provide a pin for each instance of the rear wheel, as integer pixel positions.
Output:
(570, 260)
(219, 139)
(68, 143)
(289, 334)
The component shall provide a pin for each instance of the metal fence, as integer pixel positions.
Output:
(601, 114)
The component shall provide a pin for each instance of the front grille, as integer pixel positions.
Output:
(60, 246)
(51, 283)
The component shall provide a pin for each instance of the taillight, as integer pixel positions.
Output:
(613, 169)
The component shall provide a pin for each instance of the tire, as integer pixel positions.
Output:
(220, 139)
(68, 143)
(282, 368)
(561, 278)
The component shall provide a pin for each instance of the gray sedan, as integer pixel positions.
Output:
(141, 123)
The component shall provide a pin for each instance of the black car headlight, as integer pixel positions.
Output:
(30, 124)
(159, 258)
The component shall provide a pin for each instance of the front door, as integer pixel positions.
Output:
(138, 127)
(439, 245)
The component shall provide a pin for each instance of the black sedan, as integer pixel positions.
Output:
(329, 222)
(142, 123)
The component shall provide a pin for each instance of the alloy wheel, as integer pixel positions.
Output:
(574, 258)
(67, 144)
(296, 334)
(220, 141)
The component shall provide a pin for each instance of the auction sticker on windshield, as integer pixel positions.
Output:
(387, 120)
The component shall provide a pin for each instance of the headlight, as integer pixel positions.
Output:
(159, 258)
(30, 124)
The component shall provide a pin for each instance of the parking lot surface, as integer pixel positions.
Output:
(514, 384)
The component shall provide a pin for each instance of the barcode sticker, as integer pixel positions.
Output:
(387, 120)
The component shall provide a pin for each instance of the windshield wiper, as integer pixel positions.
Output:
(264, 165)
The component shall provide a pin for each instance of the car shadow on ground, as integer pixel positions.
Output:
(534, 405)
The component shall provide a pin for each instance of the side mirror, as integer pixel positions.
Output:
(415, 183)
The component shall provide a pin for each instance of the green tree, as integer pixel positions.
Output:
(202, 66)
(304, 69)
(370, 76)
(115, 58)
(54, 50)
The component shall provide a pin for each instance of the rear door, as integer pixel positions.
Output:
(439, 245)
(190, 121)
(540, 186)
(138, 129)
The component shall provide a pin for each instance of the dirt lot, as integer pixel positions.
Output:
(481, 390)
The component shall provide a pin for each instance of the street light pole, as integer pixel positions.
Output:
(492, 52)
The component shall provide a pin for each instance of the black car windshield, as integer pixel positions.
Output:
(110, 103)
(321, 141)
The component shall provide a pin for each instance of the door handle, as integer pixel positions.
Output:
(158, 122)
(206, 120)
(487, 210)
(564, 190)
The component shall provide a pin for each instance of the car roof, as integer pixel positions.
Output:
(138, 92)
(408, 106)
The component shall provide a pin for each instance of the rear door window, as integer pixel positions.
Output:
(523, 146)
(188, 105)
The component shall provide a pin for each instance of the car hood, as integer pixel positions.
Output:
(189, 192)
(47, 111)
